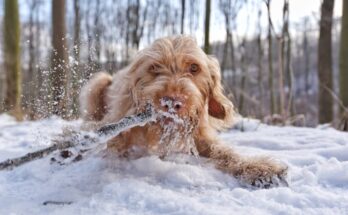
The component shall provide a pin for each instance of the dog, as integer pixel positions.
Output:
(178, 78)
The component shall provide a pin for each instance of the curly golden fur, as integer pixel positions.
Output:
(174, 70)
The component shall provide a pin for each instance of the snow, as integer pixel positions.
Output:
(180, 184)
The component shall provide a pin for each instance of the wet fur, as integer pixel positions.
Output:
(161, 70)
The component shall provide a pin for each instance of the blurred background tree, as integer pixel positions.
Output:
(343, 77)
(207, 26)
(344, 58)
(281, 61)
(325, 62)
(59, 59)
(11, 53)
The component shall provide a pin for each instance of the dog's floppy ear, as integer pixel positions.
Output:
(219, 106)
(215, 109)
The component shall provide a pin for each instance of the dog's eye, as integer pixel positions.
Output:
(194, 68)
(153, 69)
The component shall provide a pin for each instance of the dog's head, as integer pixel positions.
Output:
(178, 77)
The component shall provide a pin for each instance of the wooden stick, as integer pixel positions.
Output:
(57, 203)
(10, 163)
(127, 122)
(104, 133)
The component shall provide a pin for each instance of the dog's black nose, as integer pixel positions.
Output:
(171, 104)
(177, 105)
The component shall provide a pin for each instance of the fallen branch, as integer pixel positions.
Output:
(127, 122)
(57, 203)
(10, 163)
(104, 133)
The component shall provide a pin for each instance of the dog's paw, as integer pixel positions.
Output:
(262, 173)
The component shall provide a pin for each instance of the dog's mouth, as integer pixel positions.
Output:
(175, 130)
(176, 120)
(168, 118)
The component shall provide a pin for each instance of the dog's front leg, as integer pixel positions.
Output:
(258, 172)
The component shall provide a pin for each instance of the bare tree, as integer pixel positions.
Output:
(207, 26)
(128, 34)
(230, 9)
(325, 63)
(139, 23)
(75, 72)
(260, 54)
(285, 72)
(344, 57)
(270, 59)
(42, 93)
(89, 36)
(97, 31)
(59, 58)
(183, 6)
(306, 54)
(12, 57)
(244, 62)
(136, 19)
(77, 29)
(32, 73)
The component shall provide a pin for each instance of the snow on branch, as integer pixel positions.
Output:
(103, 134)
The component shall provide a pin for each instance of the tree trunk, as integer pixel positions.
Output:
(59, 58)
(97, 35)
(225, 49)
(270, 60)
(286, 59)
(183, 4)
(11, 53)
(90, 66)
(75, 72)
(139, 32)
(325, 63)
(260, 64)
(229, 43)
(306, 57)
(207, 26)
(32, 74)
(344, 57)
(42, 92)
(244, 70)
(290, 75)
(281, 56)
(128, 27)
(233, 61)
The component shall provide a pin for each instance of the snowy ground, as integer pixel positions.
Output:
(318, 176)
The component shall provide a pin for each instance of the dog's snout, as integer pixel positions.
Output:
(172, 103)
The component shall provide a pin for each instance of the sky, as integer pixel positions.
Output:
(247, 18)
